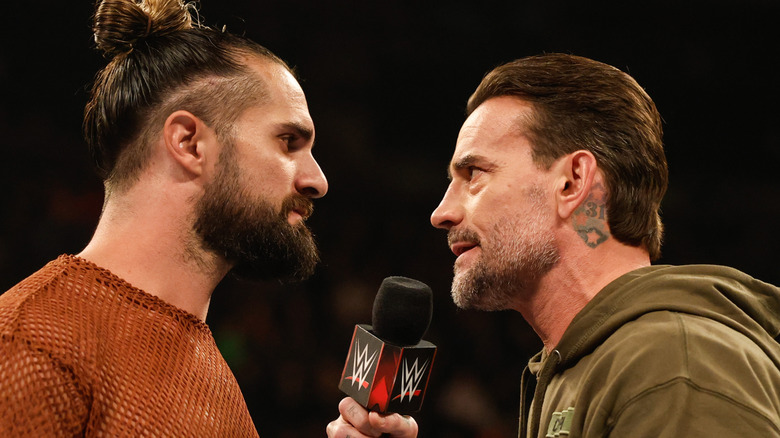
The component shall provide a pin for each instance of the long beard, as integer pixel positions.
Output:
(251, 233)
(513, 258)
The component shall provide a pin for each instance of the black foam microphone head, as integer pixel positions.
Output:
(402, 310)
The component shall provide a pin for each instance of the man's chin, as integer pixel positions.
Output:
(293, 263)
(251, 272)
(463, 294)
(478, 292)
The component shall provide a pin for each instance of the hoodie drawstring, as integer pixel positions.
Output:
(527, 386)
(542, 381)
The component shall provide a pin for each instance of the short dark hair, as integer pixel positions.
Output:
(161, 60)
(579, 103)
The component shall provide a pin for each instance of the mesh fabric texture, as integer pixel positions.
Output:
(84, 353)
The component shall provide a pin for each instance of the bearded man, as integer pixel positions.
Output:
(553, 211)
(204, 142)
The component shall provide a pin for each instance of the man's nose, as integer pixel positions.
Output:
(448, 213)
(311, 181)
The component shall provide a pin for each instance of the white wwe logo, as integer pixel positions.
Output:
(361, 365)
(411, 378)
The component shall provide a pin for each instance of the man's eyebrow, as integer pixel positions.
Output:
(464, 162)
(299, 129)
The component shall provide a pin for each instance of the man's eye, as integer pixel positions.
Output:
(474, 172)
(289, 141)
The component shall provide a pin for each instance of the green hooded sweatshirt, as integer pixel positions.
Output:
(663, 351)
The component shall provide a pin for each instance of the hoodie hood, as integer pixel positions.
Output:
(723, 294)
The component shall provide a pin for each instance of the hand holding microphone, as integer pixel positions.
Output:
(356, 422)
(388, 365)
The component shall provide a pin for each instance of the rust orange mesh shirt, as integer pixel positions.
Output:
(84, 353)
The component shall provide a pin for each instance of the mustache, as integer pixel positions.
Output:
(462, 235)
(299, 203)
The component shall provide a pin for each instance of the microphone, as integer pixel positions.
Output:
(388, 365)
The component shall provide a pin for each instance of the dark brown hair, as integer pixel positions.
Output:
(161, 60)
(578, 104)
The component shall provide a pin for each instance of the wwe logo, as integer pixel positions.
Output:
(410, 379)
(361, 365)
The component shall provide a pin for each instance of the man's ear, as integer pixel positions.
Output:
(185, 137)
(576, 174)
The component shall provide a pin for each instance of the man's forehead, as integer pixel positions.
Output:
(492, 124)
(281, 83)
(496, 128)
(498, 116)
(285, 95)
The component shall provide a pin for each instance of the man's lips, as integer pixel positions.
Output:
(302, 213)
(297, 216)
(298, 205)
(459, 248)
(462, 240)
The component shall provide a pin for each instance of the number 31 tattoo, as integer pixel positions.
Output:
(590, 218)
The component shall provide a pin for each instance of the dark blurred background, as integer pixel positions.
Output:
(387, 84)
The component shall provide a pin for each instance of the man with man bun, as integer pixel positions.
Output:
(204, 142)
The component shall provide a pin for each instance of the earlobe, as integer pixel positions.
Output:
(184, 140)
(577, 173)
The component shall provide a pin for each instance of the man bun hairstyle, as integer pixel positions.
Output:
(121, 24)
(579, 103)
(161, 59)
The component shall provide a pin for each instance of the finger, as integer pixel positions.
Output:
(356, 415)
(397, 426)
(340, 428)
